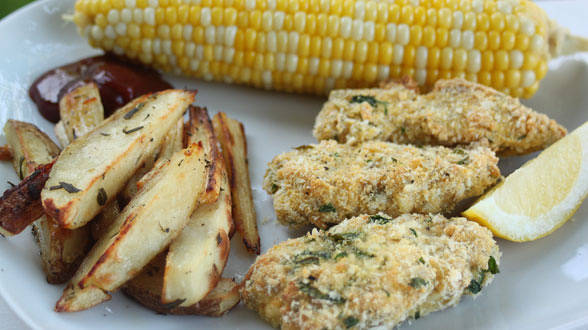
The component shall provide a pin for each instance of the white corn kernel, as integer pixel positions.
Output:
(329, 84)
(209, 36)
(113, 16)
(187, 32)
(230, 33)
(293, 42)
(205, 18)
(457, 20)
(266, 77)
(537, 43)
(421, 57)
(250, 4)
(291, 62)
(368, 31)
(190, 49)
(271, 4)
(383, 72)
(398, 54)
(156, 46)
(228, 55)
(271, 42)
(166, 47)
(478, 6)
(528, 78)
(137, 16)
(109, 32)
(299, 21)
(199, 52)
(391, 32)
(345, 27)
(504, 6)
(194, 65)
(266, 20)
(146, 45)
(336, 68)
(420, 76)
(327, 47)
(467, 40)
(403, 34)
(454, 38)
(527, 26)
(97, 32)
(126, 15)
(218, 53)
(359, 12)
(278, 20)
(149, 16)
(516, 59)
(313, 65)
(163, 31)
(220, 34)
(474, 61)
(357, 30)
(118, 50)
(347, 69)
(130, 3)
(153, 3)
(280, 62)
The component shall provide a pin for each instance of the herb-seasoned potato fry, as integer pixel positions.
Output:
(152, 219)
(30, 147)
(200, 130)
(234, 146)
(95, 167)
(100, 224)
(5, 153)
(197, 257)
(21, 205)
(81, 110)
(79, 299)
(61, 249)
(145, 288)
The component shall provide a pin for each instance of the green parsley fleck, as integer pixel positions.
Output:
(421, 260)
(350, 321)
(326, 208)
(414, 232)
(417, 282)
(493, 266)
(380, 220)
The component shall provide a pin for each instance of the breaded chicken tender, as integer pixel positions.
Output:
(455, 112)
(371, 271)
(325, 183)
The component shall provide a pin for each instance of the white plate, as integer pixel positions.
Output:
(542, 284)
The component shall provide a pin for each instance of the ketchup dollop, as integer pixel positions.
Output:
(118, 80)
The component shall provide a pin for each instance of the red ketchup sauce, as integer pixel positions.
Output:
(119, 82)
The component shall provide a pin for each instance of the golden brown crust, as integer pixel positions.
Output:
(325, 183)
(146, 288)
(370, 271)
(455, 112)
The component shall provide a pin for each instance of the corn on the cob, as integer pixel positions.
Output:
(317, 45)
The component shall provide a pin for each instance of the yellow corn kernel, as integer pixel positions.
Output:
(508, 40)
(433, 58)
(428, 38)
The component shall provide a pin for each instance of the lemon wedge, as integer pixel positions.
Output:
(540, 196)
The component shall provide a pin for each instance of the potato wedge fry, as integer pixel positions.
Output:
(81, 110)
(21, 205)
(96, 166)
(5, 153)
(30, 146)
(231, 135)
(147, 224)
(145, 288)
(200, 129)
(75, 299)
(61, 250)
(197, 257)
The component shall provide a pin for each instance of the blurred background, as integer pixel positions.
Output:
(8, 6)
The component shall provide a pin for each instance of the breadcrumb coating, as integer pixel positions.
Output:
(455, 112)
(371, 271)
(324, 183)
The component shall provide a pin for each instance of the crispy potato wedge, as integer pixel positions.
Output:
(5, 153)
(147, 225)
(95, 167)
(197, 257)
(231, 135)
(146, 287)
(200, 129)
(76, 299)
(61, 250)
(30, 146)
(81, 110)
(21, 205)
